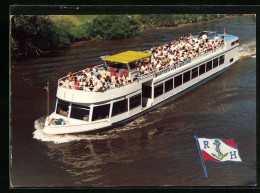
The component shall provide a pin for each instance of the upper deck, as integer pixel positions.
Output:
(83, 96)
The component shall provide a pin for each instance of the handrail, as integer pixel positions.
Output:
(162, 71)
(180, 64)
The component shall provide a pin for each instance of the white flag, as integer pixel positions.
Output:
(219, 150)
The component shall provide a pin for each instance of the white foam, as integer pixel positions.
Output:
(57, 139)
(248, 49)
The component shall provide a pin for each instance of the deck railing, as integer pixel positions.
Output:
(180, 64)
(160, 72)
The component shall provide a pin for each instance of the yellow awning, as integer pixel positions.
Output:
(127, 57)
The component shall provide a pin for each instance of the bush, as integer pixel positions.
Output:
(114, 27)
(36, 35)
(31, 35)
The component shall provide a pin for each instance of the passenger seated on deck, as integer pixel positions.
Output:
(96, 72)
(216, 37)
(89, 86)
(117, 82)
(92, 76)
(143, 68)
(52, 121)
(69, 75)
(222, 40)
(107, 84)
(124, 80)
(72, 82)
(76, 84)
(78, 76)
(59, 122)
(61, 83)
(102, 88)
(136, 77)
(97, 83)
(67, 83)
(84, 78)
(88, 72)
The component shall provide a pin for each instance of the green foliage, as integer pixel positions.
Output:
(86, 18)
(31, 35)
(37, 35)
(70, 32)
(114, 27)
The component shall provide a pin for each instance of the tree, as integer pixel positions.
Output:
(114, 27)
(32, 35)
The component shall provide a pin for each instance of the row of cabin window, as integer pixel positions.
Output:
(99, 112)
(234, 42)
(187, 76)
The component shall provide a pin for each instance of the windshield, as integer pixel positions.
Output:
(117, 65)
(62, 108)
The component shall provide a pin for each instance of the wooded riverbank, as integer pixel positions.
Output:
(39, 35)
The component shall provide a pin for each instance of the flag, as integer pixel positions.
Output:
(224, 30)
(218, 150)
(46, 89)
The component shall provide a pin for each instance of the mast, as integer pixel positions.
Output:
(48, 100)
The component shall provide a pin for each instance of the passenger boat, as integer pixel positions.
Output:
(81, 110)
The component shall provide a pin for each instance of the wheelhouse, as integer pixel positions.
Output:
(125, 63)
(209, 34)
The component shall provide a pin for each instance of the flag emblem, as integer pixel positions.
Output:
(218, 150)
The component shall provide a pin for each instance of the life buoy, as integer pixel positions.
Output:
(113, 72)
(124, 74)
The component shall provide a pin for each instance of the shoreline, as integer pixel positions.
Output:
(190, 23)
(79, 43)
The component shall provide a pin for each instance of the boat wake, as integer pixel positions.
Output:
(248, 49)
(66, 138)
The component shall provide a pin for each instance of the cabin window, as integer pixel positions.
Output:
(62, 108)
(231, 60)
(233, 43)
(177, 81)
(168, 85)
(186, 77)
(118, 65)
(221, 59)
(132, 65)
(135, 101)
(100, 112)
(147, 91)
(119, 107)
(209, 66)
(79, 112)
(236, 41)
(215, 63)
(194, 73)
(202, 69)
(158, 90)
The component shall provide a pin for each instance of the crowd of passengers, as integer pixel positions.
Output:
(94, 80)
(177, 51)
(164, 56)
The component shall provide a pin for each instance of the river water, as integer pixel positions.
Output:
(155, 149)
